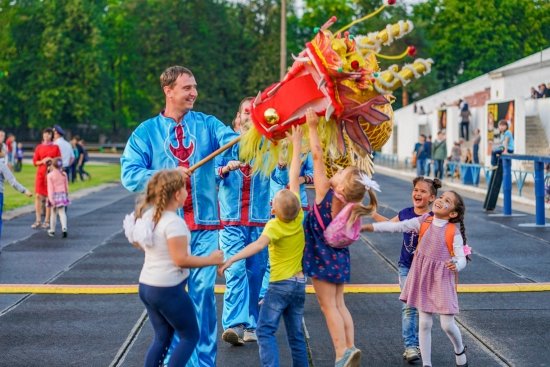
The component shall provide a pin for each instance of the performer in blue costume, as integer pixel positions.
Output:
(244, 211)
(178, 138)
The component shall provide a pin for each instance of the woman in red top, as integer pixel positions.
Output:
(43, 156)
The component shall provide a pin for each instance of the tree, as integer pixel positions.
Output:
(467, 40)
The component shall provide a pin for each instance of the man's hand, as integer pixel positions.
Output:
(186, 173)
(28, 193)
(232, 166)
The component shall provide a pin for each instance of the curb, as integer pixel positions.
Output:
(14, 213)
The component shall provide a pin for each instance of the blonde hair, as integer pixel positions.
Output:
(160, 189)
(287, 205)
(354, 192)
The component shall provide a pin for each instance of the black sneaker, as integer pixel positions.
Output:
(64, 234)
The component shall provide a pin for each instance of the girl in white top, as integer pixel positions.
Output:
(164, 237)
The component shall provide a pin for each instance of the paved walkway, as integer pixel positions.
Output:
(501, 326)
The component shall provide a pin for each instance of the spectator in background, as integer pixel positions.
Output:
(18, 157)
(66, 149)
(77, 151)
(468, 156)
(535, 93)
(11, 145)
(439, 153)
(428, 148)
(3, 148)
(421, 155)
(44, 153)
(506, 144)
(544, 91)
(455, 158)
(465, 115)
(475, 146)
(82, 159)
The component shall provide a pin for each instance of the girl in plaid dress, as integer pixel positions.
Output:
(431, 286)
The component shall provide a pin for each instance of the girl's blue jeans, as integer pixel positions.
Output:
(283, 298)
(409, 315)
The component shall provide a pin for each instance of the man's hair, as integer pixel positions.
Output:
(169, 76)
(288, 205)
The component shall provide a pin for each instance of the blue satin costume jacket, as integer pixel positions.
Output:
(161, 143)
(244, 210)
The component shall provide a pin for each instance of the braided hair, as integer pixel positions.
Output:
(460, 209)
(160, 190)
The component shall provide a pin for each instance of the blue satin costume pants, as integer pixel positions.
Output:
(243, 279)
(201, 290)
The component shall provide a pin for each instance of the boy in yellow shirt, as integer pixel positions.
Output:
(285, 296)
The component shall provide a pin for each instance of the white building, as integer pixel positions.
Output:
(512, 82)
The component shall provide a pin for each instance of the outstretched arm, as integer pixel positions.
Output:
(294, 173)
(320, 178)
(390, 226)
(248, 251)
(177, 248)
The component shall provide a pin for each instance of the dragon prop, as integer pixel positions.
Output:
(337, 75)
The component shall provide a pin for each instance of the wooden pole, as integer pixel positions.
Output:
(214, 153)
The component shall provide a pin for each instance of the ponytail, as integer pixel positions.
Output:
(359, 209)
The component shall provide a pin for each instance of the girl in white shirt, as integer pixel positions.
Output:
(164, 237)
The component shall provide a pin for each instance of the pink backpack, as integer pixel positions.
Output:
(339, 234)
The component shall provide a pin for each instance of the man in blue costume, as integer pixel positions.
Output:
(178, 138)
(244, 211)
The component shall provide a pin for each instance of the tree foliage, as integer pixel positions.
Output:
(93, 66)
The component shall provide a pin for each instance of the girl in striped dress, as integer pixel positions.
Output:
(431, 284)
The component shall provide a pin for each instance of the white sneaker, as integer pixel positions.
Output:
(411, 354)
(250, 335)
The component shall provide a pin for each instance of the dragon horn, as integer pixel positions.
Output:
(393, 78)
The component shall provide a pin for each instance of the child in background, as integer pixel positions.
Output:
(431, 283)
(423, 194)
(285, 295)
(5, 174)
(329, 267)
(58, 196)
(506, 144)
(165, 238)
(19, 157)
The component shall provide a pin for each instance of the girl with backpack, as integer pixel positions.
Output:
(431, 284)
(329, 267)
(423, 195)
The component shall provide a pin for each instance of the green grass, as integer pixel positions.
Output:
(101, 173)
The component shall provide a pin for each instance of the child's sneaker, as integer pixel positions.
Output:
(354, 358)
(411, 354)
(51, 233)
(234, 335)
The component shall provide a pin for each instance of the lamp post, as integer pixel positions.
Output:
(283, 41)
